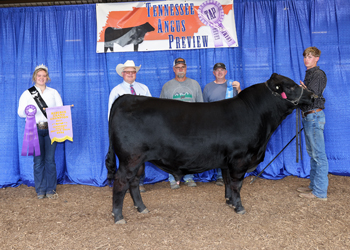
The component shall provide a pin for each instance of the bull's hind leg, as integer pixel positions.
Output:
(135, 191)
(127, 177)
(120, 186)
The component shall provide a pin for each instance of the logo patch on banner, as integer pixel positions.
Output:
(60, 123)
(165, 25)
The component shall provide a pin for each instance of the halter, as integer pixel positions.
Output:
(295, 102)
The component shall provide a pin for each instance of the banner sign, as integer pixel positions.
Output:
(165, 25)
(60, 123)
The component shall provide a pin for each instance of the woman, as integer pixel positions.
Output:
(45, 175)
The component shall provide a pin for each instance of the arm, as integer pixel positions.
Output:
(22, 105)
(58, 99)
(237, 85)
(317, 83)
(162, 94)
(205, 94)
(199, 96)
(148, 93)
(112, 97)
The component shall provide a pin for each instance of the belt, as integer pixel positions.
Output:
(42, 125)
(310, 112)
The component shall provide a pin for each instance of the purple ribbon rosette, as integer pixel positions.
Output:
(211, 13)
(30, 139)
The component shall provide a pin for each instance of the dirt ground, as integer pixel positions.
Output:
(186, 218)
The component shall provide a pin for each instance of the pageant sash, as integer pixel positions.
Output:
(38, 99)
(30, 139)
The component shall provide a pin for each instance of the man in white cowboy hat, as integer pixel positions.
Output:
(128, 71)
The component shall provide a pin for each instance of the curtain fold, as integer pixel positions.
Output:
(272, 36)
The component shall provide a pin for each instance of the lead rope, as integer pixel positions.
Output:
(298, 136)
(301, 153)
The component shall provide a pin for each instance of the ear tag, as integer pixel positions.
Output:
(284, 95)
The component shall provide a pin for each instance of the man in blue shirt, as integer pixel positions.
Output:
(216, 91)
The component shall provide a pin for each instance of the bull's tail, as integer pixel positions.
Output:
(110, 163)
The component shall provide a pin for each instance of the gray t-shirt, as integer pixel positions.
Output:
(187, 91)
(216, 92)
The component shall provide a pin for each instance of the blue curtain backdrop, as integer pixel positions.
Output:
(271, 34)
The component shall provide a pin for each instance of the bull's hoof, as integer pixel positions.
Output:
(145, 211)
(229, 203)
(240, 210)
(122, 221)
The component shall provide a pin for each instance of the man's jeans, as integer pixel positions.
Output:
(187, 177)
(142, 179)
(45, 175)
(313, 127)
(218, 173)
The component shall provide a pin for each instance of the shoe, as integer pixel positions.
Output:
(304, 189)
(190, 183)
(174, 185)
(41, 196)
(142, 189)
(311, 196)
(220, 182)
(53, 196)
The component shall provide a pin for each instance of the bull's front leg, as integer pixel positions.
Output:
(236, 196)
(233, 187)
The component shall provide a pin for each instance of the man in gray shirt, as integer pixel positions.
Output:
(183, 89)
(216, 91)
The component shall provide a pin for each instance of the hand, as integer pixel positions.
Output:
(237, 85)
(303, 85)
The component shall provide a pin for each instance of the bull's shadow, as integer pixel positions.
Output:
(182, 138)
(125, 36)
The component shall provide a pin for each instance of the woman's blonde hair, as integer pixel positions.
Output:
(39, 68)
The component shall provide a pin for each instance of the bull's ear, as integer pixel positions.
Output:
(273, 75)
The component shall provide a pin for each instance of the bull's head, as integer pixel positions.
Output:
(288, 90)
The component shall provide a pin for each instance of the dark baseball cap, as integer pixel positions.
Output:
(219, 65)
(179, 60)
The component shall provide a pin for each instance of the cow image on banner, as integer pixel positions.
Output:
(165, 25)
(60, 123)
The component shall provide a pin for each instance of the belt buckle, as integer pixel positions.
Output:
(42, 125)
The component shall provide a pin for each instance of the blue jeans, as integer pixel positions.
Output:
(142, 179)
(45, 175)
(313, 127)
(218, 173)
(187, 177)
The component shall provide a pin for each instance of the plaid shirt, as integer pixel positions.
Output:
(315, 80)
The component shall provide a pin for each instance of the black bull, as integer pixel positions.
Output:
(125, 36)
(182, 138)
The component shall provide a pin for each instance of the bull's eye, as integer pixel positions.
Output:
(277, 87)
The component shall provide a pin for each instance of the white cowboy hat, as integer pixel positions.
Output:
(128, 64)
